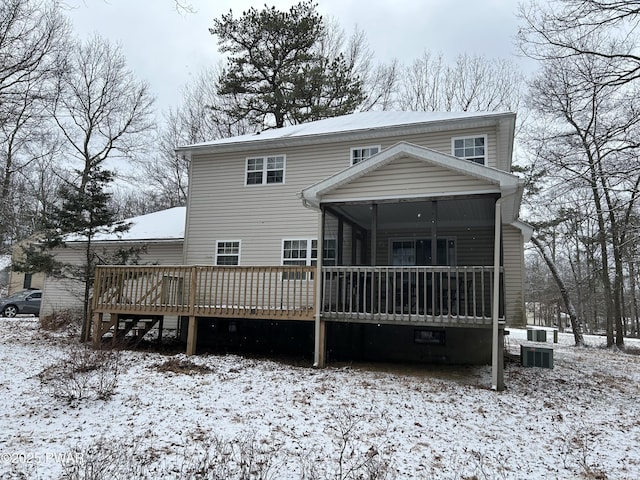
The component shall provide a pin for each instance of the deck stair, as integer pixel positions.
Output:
(129, 328)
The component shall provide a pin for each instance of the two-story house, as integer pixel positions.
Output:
(382, 235)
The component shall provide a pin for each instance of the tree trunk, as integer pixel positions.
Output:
(576, 325)
(634, 300)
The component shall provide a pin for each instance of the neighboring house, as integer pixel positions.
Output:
(394, 212)
(5, 270)
(19, 280)
(159, 234)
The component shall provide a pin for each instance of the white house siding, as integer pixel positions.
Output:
(409, 177)
(513, 260)
(221, 207)
(59, 294)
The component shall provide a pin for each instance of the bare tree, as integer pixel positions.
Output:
(379, 80)
(592, 144)
(103, 113)
(472, 83)
(199, 118)
(33, 37)
(603, 29)
(101, 109)
(576, 325)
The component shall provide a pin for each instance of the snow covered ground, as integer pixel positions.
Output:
(579, 420)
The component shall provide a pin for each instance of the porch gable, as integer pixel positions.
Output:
(406, 170)
(409, 177)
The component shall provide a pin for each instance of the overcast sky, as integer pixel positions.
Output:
(167, 48)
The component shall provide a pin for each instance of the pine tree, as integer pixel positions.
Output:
(276, 73)
(84, 212)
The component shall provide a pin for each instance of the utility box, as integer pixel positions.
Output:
(536, 356)
(536, 335)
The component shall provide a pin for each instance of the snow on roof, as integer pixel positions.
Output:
(349, 123)
(163, 225)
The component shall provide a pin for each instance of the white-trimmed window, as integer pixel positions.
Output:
(358, 154)
(265, 170)
(304, 252)
(228, 252)
(471, 148)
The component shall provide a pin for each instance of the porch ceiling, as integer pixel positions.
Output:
(475, 211)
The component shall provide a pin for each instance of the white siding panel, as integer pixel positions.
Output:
(59, 294)
(222, 207)
(408, 177)
(513, 261)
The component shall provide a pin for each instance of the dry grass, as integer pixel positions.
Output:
(183, 366)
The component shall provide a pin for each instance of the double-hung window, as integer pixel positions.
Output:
(228, 252)
(471, 148)
(304, 252)
(359, 154)
(265, 170)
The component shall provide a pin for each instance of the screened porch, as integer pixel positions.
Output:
(410, 261)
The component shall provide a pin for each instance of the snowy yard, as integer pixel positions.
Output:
(579, 420)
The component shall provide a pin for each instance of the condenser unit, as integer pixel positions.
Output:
(535, 335)
(536, 356)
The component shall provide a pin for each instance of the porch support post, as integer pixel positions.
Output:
(374, 234)
(497, 356)
(320, 324)
(192, 335)
(434, 234)
(340, 242)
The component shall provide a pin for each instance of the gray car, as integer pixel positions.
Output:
(27, 301)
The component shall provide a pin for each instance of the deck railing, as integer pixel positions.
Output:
(237, 292)
(354, 293)
(409, 294)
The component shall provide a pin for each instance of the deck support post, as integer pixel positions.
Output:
(160, 327)
(192, 335)
(497, 348)
(319, 359)
(97, 328)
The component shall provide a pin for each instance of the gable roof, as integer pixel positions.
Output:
(505, 181)
(164, 225)
(358, 125)
(507, 184)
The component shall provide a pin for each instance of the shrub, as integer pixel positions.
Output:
(83, 373)
(61, 319)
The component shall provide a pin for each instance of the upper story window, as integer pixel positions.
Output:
(362, 153)
(265, 170)
(228, 252)
(471, 148)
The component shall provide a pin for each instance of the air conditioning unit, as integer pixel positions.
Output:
(535, 335)
(536, 356)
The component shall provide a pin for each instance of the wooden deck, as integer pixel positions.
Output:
(435, 296)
